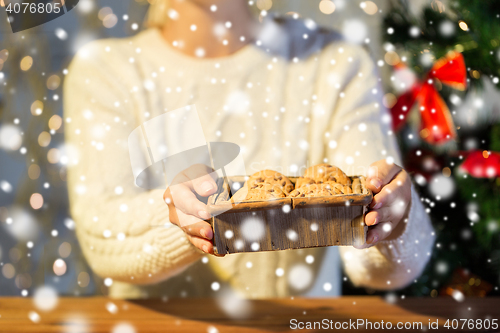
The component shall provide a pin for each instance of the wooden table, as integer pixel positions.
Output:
(101, 314)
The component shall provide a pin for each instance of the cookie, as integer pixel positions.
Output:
(314, 190)
(264, 191)
(321, 190)
(356, 186)
(270, 177)
(309, 181)
(326, 172)
(302, 181)
(240, 195)
(338, 188)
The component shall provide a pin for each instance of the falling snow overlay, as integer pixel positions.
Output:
(261, 149)
(309, 83)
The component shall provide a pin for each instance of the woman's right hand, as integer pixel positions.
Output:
(186, 210)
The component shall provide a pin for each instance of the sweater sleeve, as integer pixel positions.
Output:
(360, 134)
(123, 230)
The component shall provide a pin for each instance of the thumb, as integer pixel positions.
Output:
(205, 185)
(380, 174)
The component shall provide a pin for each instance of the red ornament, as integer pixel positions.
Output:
(437, 124)
(482, 164)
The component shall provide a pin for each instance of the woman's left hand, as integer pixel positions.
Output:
(391, 187)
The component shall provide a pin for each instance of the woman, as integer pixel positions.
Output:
(290, 94)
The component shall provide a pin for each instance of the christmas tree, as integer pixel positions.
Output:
(463, 198)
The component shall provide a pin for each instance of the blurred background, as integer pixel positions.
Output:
(458, 179)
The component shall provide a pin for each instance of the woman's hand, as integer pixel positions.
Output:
(389, 208)
(186, 210)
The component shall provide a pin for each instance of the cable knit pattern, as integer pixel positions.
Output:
(286, 115)
(124, 231)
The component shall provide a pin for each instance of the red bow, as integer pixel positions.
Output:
(482, 164)
(437, 124)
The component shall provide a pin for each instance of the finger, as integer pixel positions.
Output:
(186, 221)
(384, 214)
(191, 172)
(179, 218)
(202, 244)
(379, 232)
(205, 185)
(396, 195)
(362, 246)
(381, 173)
(374, 233)
(191, 225)
(375, 217)
(365, 245)
(399, 185)
(183, 198)
(199, 229)
(200, 178)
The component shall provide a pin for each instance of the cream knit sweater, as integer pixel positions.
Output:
(285, 112)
